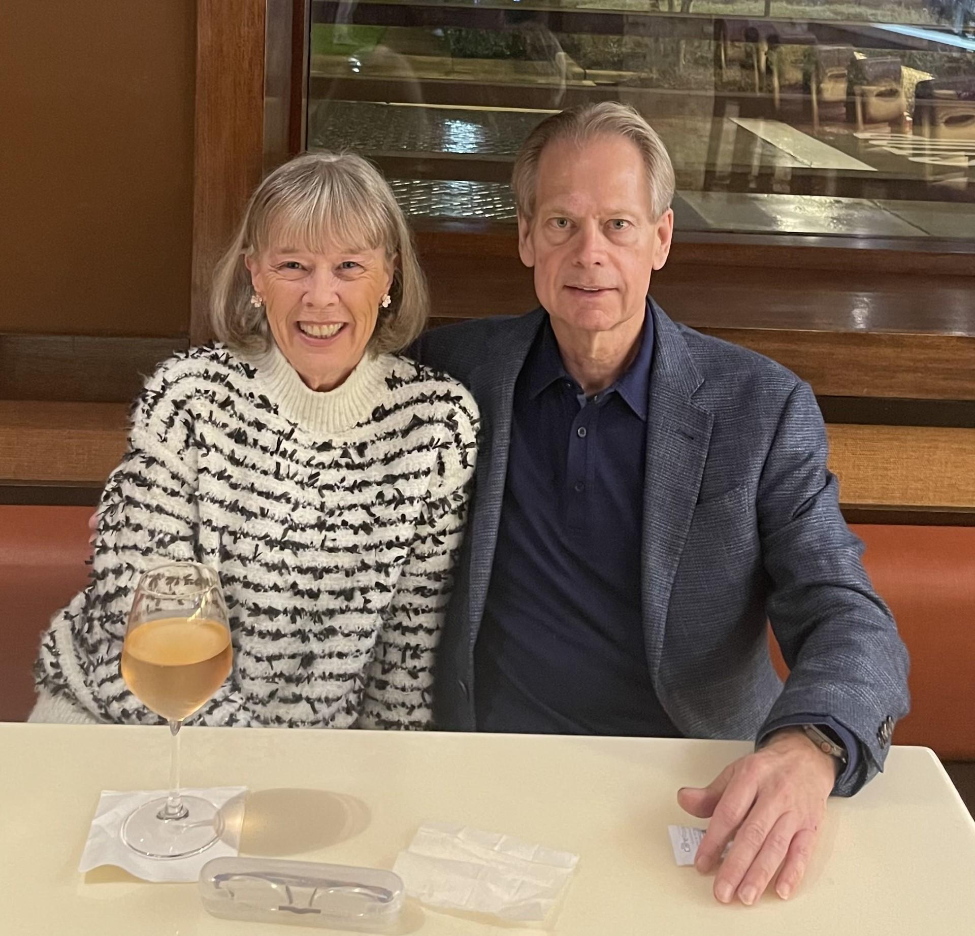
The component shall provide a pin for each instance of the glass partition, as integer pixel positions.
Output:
(799, 117)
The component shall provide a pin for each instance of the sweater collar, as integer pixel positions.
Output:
(334, 410)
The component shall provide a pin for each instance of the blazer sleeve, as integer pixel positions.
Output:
(837, 636)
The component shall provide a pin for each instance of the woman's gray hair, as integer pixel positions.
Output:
(580, 125)
(316, 200)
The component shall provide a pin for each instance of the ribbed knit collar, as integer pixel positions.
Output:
(335, 410)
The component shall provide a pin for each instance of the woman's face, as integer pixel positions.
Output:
(321, 307)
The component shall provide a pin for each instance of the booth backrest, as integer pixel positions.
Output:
(925, 573)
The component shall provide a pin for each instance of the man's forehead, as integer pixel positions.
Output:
(567, 177)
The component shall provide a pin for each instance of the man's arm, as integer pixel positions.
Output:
(847, 664)
(838, 638)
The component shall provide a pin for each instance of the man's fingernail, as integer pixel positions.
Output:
(784, 891)
(724, 892)
(748, 895)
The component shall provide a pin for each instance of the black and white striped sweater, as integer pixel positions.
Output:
(334, 520)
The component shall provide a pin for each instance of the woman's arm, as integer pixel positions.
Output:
(147, 514)
(400, 677)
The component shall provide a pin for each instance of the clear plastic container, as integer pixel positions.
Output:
(302, 893)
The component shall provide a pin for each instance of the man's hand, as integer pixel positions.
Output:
(772, 804)
(92, 528)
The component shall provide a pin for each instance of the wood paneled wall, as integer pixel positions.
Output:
(96, 166)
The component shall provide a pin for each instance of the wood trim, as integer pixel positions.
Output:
(875, 411)
(300, 73)
(52, 494)
(60, 442)
(229, 151)
(646, 24)
(83, 369)
(881, 468)
(922, 367)
(903, 466)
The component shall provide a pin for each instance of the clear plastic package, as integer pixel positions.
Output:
(303, 893)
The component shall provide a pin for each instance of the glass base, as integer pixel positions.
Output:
(198, 828)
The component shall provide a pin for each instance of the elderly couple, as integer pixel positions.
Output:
(644, 499)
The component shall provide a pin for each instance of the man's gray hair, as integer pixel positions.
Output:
(580, 125)
(312, 202)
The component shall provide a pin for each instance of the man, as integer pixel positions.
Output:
(647, 498)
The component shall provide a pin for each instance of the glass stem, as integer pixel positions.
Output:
(174, 808)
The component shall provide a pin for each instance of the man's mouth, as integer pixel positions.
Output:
(590, 289)
(312, 330)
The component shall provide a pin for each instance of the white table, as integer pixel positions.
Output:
(897, 859)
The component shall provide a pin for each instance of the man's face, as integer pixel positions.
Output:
(593, 241)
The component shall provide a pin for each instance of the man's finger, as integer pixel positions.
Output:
(93, 522)
(734, 805)
(768, 860)
(698, 801)
(749, 837)
(795, 863)
(701, 801)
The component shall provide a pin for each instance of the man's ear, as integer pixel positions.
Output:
(525, 248)
(664, 235)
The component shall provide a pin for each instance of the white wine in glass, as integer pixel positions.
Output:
(177, 653)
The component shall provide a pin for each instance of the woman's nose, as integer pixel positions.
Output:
(322, 289)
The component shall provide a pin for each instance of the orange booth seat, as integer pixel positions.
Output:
(925, 573)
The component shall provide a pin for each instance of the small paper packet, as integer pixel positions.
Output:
(459, 868)
(105, 845)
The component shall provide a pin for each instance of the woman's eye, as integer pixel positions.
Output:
(348, 265)
(291, 265)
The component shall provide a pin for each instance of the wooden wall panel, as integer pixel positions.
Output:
(60, 442)
(904, 466)
(230, 85)
(96, 166)
(880, 467)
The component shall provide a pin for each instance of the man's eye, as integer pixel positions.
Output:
(619, 224)
(561, 223)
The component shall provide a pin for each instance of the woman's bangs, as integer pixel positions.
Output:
(326, 221)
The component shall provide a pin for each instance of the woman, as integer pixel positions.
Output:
(325, 478)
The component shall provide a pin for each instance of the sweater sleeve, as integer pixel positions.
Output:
(147, 514)
(400, 676)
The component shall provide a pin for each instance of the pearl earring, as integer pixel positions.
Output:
(257, 300)
(387, 299)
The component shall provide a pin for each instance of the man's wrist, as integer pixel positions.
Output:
(796, 736)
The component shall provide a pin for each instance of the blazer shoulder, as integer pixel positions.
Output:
(460, 348)
(728, 367)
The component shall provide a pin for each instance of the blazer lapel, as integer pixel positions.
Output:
(678, 434)
(493, 385)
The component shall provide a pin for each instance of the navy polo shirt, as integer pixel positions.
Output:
(561, 644)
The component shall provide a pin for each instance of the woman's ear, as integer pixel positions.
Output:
(254, 268)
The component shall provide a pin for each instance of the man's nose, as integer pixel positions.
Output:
(322, 288)
(590, 249)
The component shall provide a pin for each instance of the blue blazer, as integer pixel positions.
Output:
(741, 526)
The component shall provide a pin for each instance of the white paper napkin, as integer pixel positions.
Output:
(460, 868)
(105, 845)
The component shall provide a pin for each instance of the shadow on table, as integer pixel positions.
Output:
(292, 821)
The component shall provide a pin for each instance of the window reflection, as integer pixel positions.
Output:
(795, 117)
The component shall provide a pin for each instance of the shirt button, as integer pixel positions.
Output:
(579, 487)
(581, 432)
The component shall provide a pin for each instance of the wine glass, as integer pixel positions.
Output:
(176, 655)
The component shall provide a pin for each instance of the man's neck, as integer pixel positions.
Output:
(596, 360)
